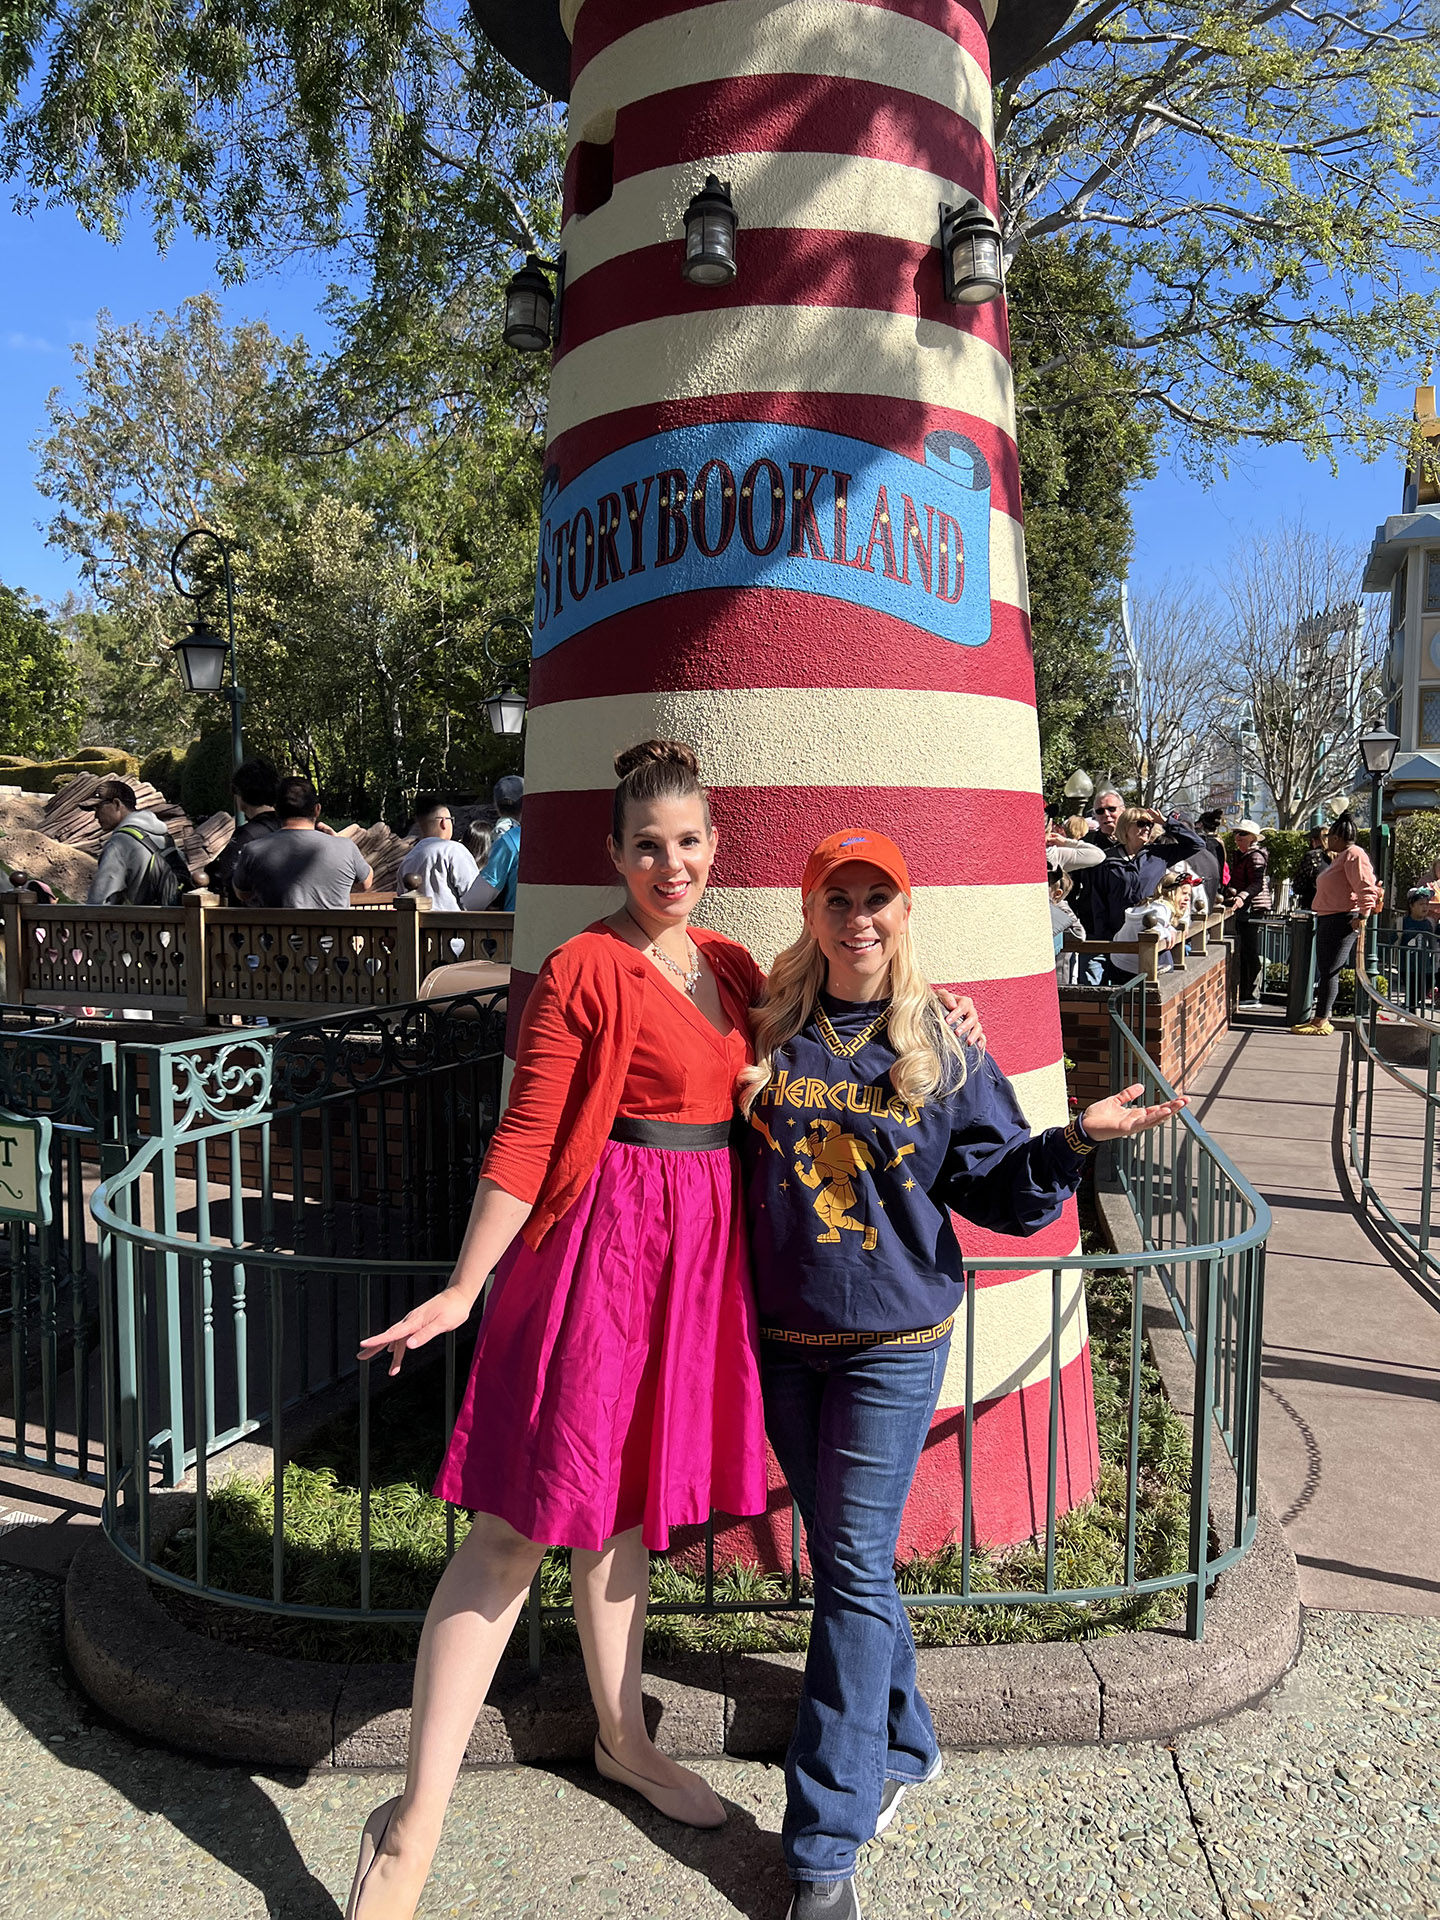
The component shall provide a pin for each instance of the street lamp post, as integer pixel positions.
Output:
(203, 652)
(1377, 748)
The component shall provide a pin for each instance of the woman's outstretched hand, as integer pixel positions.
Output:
(962, 1017)
(1112, 1119)
(442, 1314)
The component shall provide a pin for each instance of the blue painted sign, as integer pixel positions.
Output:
(749, 504)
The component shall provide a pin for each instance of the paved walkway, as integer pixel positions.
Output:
(1319, 1804)
(1350, 1424)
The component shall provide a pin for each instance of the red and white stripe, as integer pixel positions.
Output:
(840, 124)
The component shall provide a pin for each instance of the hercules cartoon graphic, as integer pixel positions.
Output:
(835, 1159)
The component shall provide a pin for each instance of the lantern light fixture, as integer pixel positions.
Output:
(1378, 747)
(970, 254)
(506, 711)
(710, 223)
(1079, 786)
(202, 655)
(530, 303)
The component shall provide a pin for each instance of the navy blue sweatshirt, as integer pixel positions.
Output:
(848, 1187)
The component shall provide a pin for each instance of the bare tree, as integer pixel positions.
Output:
(1172, 667)
(1302, 660)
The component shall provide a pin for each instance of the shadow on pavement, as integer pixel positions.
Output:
(221, 1809)
(740, 1860)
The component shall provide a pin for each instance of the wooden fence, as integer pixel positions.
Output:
(1147, 947)
(206, 961)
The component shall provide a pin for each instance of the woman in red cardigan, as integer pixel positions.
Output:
(614, 1393)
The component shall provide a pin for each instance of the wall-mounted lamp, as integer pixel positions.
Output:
(970, 254)
(710, 224)
(530, 303)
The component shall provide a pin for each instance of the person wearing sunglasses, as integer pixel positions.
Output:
(1133, 868)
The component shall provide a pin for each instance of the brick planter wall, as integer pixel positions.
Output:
(1185, 1014)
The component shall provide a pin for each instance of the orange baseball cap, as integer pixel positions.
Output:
(855, 843)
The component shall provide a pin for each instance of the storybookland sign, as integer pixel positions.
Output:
(747, 504)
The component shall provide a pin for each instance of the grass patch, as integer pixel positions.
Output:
(408, 1532)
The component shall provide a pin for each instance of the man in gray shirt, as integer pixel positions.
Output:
(297, 866)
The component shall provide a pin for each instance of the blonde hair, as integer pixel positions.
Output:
(1134, 817)
(1076, 826)
(930, 1057)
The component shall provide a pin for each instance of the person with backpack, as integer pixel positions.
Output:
(140, 865)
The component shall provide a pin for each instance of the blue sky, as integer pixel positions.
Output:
(54, 277)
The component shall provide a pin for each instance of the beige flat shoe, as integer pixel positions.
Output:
(372, 1836)
(693, 1805)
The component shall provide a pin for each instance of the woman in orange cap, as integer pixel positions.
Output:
(889, 1120)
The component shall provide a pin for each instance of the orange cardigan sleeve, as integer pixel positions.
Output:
(547, 1088)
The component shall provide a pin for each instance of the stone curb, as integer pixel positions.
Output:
(156, 1678)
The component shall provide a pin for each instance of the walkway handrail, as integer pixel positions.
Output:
(1365, 1054)
(202, 1318)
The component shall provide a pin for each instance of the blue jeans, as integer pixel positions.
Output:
(847, 1429)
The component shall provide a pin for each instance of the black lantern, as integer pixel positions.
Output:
(970, 259)
(202, 658)
(1378, 747)
(529, 304)
(710, 225)
(506, 711)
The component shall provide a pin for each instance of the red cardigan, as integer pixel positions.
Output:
(576, 1038)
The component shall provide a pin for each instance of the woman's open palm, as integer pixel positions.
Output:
(1112, 1119)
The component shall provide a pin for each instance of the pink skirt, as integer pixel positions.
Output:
(615, 1382)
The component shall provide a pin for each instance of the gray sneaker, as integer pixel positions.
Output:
(894, 1792)
(824, 1900)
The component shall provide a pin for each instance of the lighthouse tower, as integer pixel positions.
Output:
(782, 522)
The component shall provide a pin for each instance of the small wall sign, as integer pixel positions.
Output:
(25, 1167)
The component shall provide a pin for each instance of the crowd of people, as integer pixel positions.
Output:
(283, 854)
(1127, 871)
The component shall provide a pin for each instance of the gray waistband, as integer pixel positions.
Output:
(677, 1136)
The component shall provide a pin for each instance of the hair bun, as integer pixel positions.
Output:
(672, 753)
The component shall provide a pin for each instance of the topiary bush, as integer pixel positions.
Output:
(165, 769)
(205, 776)
(48, 776)
(1417, 848)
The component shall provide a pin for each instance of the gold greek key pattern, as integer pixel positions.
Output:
(1076, 1141)
(918, 1337)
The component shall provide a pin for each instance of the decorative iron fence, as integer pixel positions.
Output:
(348, 1152)
(207, 962)
(49, 1311)
(1392, 1143)
(1406, 973)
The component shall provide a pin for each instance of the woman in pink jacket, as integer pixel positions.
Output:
(1344, 894)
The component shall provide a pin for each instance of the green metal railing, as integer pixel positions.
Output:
(49, 1300)
(214, 1314)
(1400, 1018)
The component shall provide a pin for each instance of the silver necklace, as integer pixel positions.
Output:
(689, 979)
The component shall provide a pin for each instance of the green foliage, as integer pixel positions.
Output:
(1078, 461)
(48, 776)
(1267, 172)
(205, 775)
(164, 768)
(367, 577)
(1416, 849)
(322, 1530)
(40, 710)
